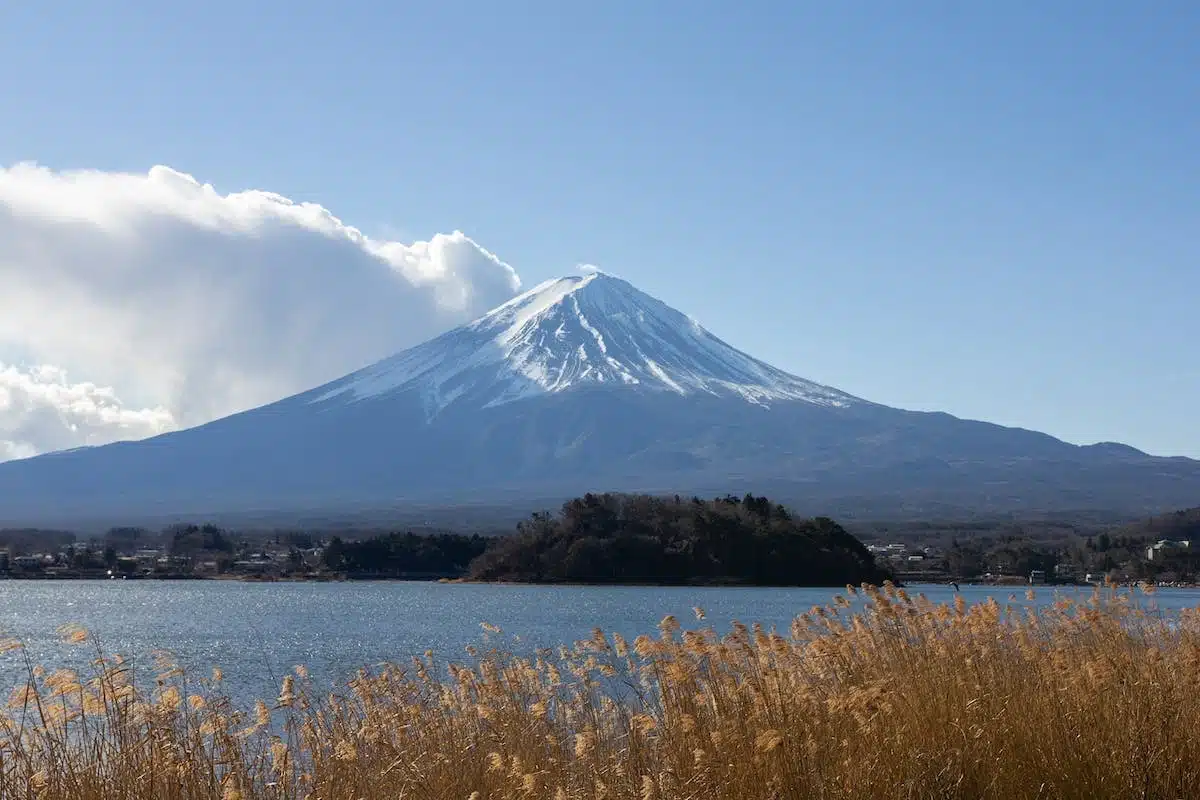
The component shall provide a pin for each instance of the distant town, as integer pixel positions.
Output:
(180, 553)
(1012, 560)
(997, 555)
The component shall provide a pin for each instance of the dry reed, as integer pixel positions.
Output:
(879, 696)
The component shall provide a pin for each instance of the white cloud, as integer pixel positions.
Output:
(40, 409)
(189, 304)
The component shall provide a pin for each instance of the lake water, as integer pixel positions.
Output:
(254, 631)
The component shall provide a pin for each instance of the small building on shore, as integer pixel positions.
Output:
(1164, 547)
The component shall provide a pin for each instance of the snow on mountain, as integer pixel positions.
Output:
(590, 330)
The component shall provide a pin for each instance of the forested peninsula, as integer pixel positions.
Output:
(617, 538)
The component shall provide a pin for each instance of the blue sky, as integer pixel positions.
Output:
(991, 209)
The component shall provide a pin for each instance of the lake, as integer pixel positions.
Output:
(255, 631)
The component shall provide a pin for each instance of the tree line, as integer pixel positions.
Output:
(625, 538)
(447, 555)
(597, 538)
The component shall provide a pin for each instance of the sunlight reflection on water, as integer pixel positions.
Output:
(257, 631)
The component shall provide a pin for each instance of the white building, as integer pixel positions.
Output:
(1165, 546)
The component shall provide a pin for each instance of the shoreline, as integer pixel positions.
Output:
(426, 578)
(341, 578)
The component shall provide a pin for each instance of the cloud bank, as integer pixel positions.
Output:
(169, 304)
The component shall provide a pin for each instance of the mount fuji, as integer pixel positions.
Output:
(581, 384)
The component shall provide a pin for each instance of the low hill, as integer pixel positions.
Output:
(614, 538)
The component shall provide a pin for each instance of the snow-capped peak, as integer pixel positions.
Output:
(591, 330)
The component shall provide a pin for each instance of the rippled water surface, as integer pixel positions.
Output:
(256, 631)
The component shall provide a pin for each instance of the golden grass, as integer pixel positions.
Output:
(899, 698)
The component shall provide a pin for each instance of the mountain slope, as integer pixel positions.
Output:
(585, 383)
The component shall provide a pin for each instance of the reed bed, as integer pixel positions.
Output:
(879, 695)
